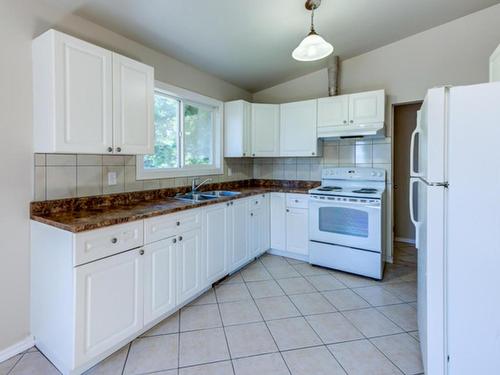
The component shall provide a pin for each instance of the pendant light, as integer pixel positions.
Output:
(313, 47)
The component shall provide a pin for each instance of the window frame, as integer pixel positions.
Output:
(188, 97)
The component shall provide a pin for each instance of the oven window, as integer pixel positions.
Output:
(341, 220)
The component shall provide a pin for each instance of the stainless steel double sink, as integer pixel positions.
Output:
(203, 196)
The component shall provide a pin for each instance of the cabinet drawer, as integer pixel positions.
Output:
(161, 227)
(257, 201)
(297, 201)
(104, 242)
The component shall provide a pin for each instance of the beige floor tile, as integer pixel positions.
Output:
(317, 361)
(219, 368)
(293, 333)
(232, 292)
(152, 354)
(166, 326)
(333, 328)
(345, 299)
(33, 363)
(197, 347)
(249, 339)
(113, 365)
(403, 350)
(406, 291)
(415, 335)
(256, 273)
(265, 288)
(353, 281)
(377, 296)
(267, 364)
(206, 298)
(312, 303)
(233, 279)
(403, 315)
(305, 269)
(168, 372)
(362, 358)
(276, 307)
(282, 272)
(324, 283)
(294, 261)
(296, 285)
(200, 317)
(239, 312)
(272, 261)
(7, 365)
(371, 322)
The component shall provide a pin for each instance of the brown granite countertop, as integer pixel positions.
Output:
(83, 214)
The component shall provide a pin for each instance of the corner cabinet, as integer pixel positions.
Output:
(88, 99)
(265, 130)
(237, 129)
(298, 129)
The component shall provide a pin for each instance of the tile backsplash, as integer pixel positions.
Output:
(342, 153)
(77, 175)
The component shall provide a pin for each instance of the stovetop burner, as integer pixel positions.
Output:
(330, 188)
(365, 191)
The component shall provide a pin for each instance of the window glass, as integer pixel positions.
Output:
(198, 135)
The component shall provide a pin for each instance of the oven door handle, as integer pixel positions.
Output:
(343, 204)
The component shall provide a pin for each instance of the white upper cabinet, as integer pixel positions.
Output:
(298, 135)
(88, 99)
(333, 111)
(133, 124)
(495, 65)
(265, 129)
(237, 129)
(367, 107)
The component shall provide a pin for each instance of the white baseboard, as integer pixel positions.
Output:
(17, 348)
(288, 254)
(405, 240)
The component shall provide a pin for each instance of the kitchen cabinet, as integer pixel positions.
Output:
(215, 242)
(237, 223)
(237, 129)
(265, 130)
(298, 136)
(278, 221)
(188, 265)
(495, 65)
(258, 235)
(89, 99)
(297, 239)
(160, 286)
(367, 107)
(333, 111)
(108, 303)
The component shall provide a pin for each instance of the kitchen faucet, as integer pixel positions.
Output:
(195, 188)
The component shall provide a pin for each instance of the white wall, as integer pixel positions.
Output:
(20, 22)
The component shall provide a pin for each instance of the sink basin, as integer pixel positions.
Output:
(220, 193)
(195, 197)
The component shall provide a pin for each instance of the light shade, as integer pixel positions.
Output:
(312, 48)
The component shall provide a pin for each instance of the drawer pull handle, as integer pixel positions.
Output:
(141, 251)
(178, 223)
(174, 240)
(296, 201)
(180, 238)
(227, 204)
(114, 240)
(287, 210)
(251, 214)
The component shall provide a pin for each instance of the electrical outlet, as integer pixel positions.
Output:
(111, 178)
(229, 171)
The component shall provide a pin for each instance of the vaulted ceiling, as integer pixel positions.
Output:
(249, 42)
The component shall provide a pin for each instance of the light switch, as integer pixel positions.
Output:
(111, 178)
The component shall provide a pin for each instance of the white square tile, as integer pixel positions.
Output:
(290, 171)
(317, 361)
(131, 184)
(403, 315)
(166, 183)
(325, 282)
(346, 154)
(371, 322)
(40, 160)
(166, 326)
(296, 285)
(61, 182)
(331, 154)
(151, 184)
(200, 317)
(276, 307)
(206, 298)
(197, 347)
(61, 159)
(267, 364)
(113, 160)
(40, 184)
(218, 368)
(382, 153)
(312, 303)
(406, 291)
(89, 160)
(265, 288)
(345, 299)
(282, 272)
(303, 172)
(232, 292)
(255, 273)
(112, 365)
(403, 350)
(249, 339)
(364, 154)
(293, 333)
(33, 363)
(266, 171)
(89, 180)
(333, 328)
(377, 296)
(152, 354)
(239, 312)
(278, 171)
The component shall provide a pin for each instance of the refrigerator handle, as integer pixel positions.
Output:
(412, 213)
(417, 130)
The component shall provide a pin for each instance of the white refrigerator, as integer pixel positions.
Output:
(455, 207)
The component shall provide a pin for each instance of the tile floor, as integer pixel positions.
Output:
(277, 316)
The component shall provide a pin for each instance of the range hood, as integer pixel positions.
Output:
(352, 131)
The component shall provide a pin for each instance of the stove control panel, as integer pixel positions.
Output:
(365, 174)
(352, 200)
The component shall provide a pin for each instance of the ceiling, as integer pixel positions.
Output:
(249, 42)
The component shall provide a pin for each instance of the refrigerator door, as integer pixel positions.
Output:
(428, 140)
(429, 217)
(473, 239)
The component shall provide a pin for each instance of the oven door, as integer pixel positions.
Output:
(354, 224)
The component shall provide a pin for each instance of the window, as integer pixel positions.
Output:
(188, 135)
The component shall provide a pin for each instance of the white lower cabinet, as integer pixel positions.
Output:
(289, 224)
(109, 303)
(258, 227)
(160, 278)
(188, 265)
(215, 242)
(238, 219)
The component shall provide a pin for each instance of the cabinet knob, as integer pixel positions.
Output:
(180, 238)
(345, 121)
(118, 149)
(263, 195)
(227, 204)
(141, 251)
(114, 240)
(352, 121)
(110, 149)
(251, 214)
(244, 154)
(287, 210)
(313, 153)
(232, 203)
(178, 223)
(174, 240)
(296, 201)
(253, 154)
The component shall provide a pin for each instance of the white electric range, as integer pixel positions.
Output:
(346, 221)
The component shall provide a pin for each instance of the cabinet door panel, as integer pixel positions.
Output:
(238, 233)
(159, 279)
(254, 234)
(298, 135)
(214, 243)
(265, 130)
(237, 125)
(333, 111)
(133, 96)
(265, 227)
(109, 303)
(188, 265)
(367, 107)
(84, 116)
(297, 234)
(278, 220)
